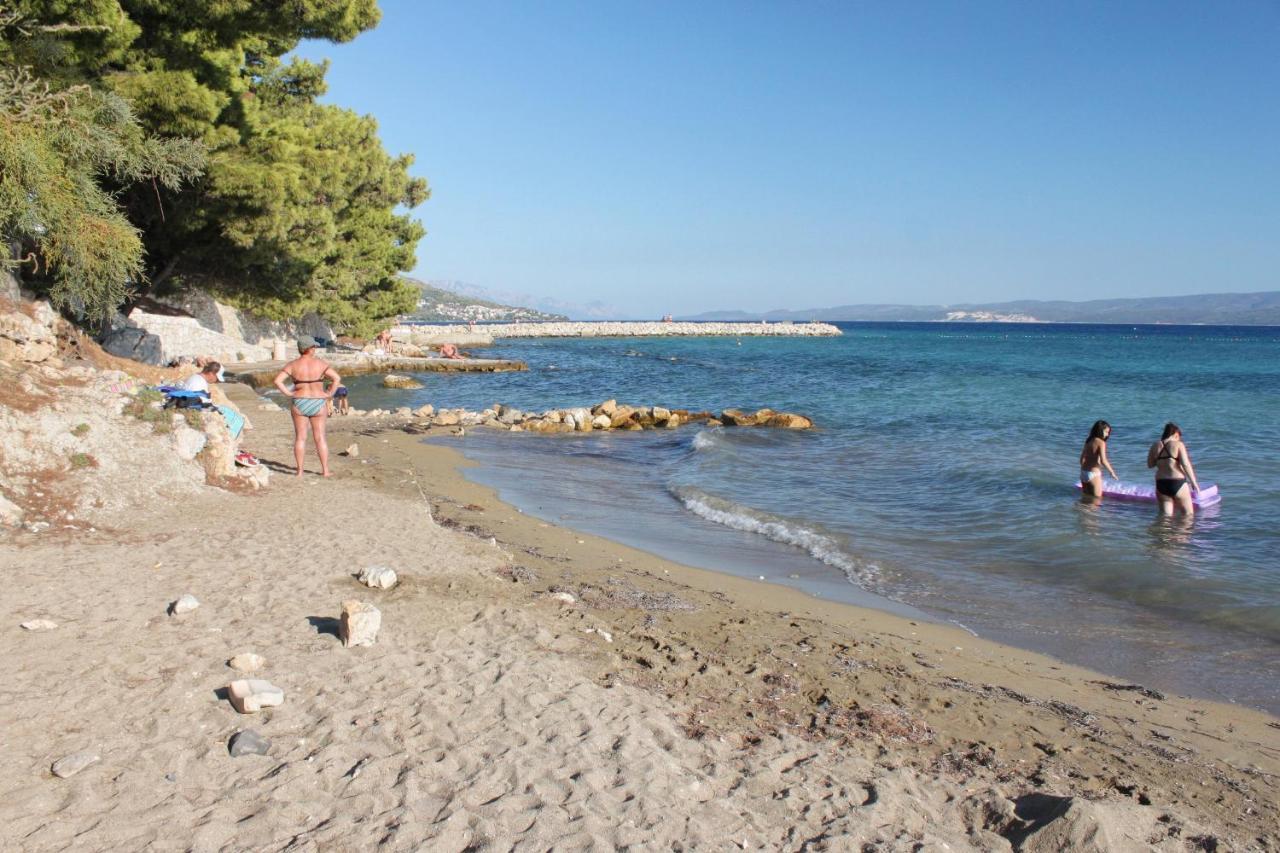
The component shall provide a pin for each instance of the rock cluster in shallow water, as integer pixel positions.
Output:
(609, 415)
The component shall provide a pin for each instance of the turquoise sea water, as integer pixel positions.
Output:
(940, 478)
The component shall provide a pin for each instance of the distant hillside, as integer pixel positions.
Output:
(590, 311)
(1224, 309)
(438, 305)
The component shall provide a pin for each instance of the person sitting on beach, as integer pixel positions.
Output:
(210, 374)
(450, 351)
(1093, 458)
(309, 404)
(1172, 461)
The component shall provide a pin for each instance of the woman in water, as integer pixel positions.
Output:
(1093, 458)
(1172, 461)
(309, 400)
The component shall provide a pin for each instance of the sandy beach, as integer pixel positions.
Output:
(536, 688)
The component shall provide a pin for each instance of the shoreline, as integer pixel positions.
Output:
(1033, 688)
(662, 703)
(624, 329)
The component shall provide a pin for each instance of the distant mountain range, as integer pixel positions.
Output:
(538, 304)
(439, 304)
(1227, 309)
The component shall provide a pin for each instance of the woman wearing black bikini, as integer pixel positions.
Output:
(309, 399)
(1172, 461)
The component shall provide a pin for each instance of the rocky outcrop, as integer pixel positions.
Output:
(159, 331)
(396, 380)
(81, 446)
(28, 332)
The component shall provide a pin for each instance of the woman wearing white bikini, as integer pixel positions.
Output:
(1094, 458)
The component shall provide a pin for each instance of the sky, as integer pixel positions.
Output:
(676, 157)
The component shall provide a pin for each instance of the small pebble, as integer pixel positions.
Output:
(247, 662)
(183, 605)
(73, 764)
(248, 742)
(40, 625)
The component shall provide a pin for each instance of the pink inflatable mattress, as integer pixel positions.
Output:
(1207, 496)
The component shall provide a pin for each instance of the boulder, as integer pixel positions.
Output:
(251, 695)
(359, 624)
(404, 412)
(621, 416)
(737, 417)
(26, 339)
(396, 380)
(447, 419)
(509, 415)
(601, 422)
(660, 414)
(218, 457)
(424, 411)
(378, 577)
(673, 421)
(789, 420)
(187, 442)
(608, 407)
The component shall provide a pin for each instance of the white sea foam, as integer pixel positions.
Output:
(705, 440)
(818, 545)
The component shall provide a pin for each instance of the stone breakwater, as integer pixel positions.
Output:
(629, 329)
(606, 416)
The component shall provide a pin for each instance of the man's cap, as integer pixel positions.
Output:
(306, 342)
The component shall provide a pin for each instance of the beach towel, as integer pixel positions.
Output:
(235, 420)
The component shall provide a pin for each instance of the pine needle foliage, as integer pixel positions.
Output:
(57, 148)
(299, 207)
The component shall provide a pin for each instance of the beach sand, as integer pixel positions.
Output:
(663, 708)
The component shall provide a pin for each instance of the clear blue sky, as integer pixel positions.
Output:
(686, 156)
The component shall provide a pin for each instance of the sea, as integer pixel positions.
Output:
(939, 481)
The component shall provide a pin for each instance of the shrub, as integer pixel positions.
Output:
(83, 460)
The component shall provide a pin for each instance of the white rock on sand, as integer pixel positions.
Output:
(185, 604)
(247, 662)
(39, 625)
(251, 695)
(378, 577)
(359, 624)
(72, 764)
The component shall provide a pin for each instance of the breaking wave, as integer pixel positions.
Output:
(820, 546)
(706, 440)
